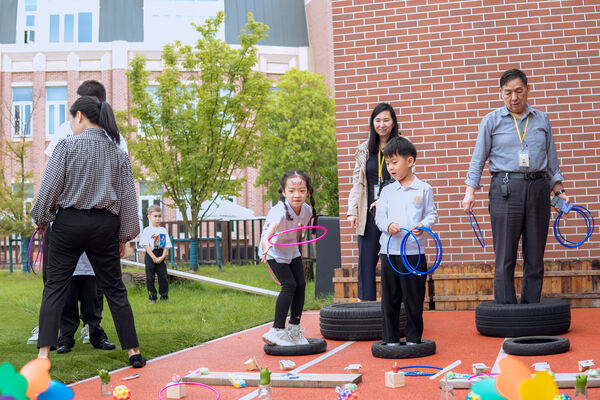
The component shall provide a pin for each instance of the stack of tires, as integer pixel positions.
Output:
(355, 321)
(530, 327)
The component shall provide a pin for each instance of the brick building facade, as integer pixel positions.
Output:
(438, 62)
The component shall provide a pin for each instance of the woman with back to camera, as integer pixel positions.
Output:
(89, 192)
(369, 176)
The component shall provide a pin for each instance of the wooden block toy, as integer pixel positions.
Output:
(353, 368)
(585, 365)
(286, 365)
(394, 379)
(252, 365)
(541, 366)
(176, 391)
(479, 368)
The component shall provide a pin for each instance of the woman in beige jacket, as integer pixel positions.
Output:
(370, 174)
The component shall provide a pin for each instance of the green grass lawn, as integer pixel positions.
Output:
(195, 313)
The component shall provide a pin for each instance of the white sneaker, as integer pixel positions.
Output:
(295, 334)
(277, 337)
(34, 335)
(85, 334)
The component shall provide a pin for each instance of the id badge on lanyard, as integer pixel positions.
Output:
(524, 158)
(376, 191)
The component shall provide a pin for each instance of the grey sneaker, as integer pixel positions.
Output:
(295, 334)
(85, 334)
(277, 337)
(34, 335)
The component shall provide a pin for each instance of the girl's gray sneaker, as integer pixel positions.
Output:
(278, 337)
(295, 334)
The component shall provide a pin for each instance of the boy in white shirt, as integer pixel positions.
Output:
(404, 205)
(157, 243)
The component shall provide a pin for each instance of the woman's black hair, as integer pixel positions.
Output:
(99, 113)
(373, 136)
(306, 179)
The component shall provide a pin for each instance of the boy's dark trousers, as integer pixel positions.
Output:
(82, 289)
(160, 270)
(397, 289)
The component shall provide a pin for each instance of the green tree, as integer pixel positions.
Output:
(14, 207)
(299, 133)
(198, 126)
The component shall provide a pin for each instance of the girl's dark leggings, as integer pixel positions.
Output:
(293, 285)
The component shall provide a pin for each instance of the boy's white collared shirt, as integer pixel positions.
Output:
(407, 206)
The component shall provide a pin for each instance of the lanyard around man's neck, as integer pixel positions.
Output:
(521, 138)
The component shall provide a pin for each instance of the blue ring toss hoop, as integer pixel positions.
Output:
(406, 263)
(479, 235)
(589, 223)
(419, 373)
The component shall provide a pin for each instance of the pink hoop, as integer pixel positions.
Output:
(478, 375)
(297, 229)
(188, 383)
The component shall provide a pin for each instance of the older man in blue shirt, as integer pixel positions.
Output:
(517, 139)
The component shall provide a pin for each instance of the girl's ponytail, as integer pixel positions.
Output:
(107, 121)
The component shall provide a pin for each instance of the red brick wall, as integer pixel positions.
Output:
(438, 63)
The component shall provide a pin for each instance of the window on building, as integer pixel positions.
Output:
(149, 194)
(151, 90)
(84, 31)
(54, 28)
(30, 20)
(69, 34)
(30, 5)
(29, 36)
(22, 121)
(56, 109)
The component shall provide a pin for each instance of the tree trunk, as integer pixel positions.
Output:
(194, 254)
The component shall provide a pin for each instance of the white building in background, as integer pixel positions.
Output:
(48, 47)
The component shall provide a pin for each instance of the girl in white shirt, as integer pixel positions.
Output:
(286, 261)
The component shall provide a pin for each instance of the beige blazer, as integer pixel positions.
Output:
(357, 200)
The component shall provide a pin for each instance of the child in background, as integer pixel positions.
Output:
(286, 261)
(405, 204)
(157, 243)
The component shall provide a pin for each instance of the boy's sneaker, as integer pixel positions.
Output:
(35, 332)
(85, 334)
(152, 301)
(278, 337)
(295, 334)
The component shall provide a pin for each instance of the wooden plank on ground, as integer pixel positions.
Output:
(277, 379)
(213, 281)
(563, 380)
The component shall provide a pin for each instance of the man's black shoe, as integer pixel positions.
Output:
(104, 344)
(63, 348)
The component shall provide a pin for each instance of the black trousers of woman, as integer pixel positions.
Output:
(368, 255)
(397, 289)
(96, 232)
(293, 285)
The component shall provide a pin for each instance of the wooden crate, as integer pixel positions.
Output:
(464, 286)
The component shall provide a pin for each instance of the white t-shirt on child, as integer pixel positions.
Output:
(284, 254)
(156, 238)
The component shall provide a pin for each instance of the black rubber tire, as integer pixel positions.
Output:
(314, 346)
(355, 321)
(547, 318)
(536, 345)
(423, 349)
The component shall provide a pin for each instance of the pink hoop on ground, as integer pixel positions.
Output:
(298, 229)
(480, 375)
(188, 383)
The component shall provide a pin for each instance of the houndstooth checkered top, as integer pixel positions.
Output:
(89, 171)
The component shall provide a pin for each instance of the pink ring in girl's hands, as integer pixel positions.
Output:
(297, 229)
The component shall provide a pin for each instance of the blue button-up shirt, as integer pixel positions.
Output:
(499, 141)
(407, 206)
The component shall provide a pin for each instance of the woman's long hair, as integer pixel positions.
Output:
(99, 113)
(373, 136)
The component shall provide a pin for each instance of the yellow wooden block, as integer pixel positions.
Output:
(176, 391)
(394, 379)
